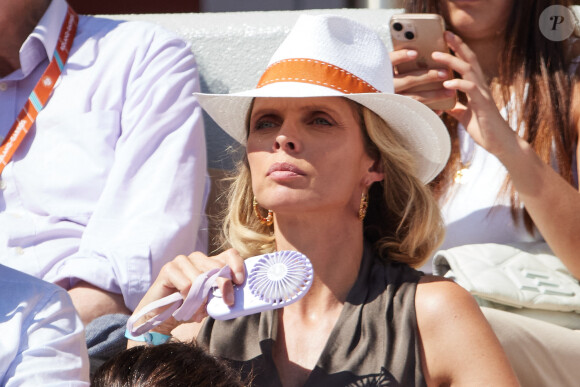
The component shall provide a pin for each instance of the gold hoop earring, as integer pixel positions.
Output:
(268, 220)
(364, 205)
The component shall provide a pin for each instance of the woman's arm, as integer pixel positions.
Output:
(459, 347)
(178, 276)
(553, 204)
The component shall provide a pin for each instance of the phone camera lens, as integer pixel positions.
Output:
(397, 26)
(409, 35)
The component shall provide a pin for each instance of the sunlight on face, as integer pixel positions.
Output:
(307, 154)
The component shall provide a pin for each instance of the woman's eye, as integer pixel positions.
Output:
(321, 121)
(263, 125)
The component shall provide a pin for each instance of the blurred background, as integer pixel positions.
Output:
(179, 6)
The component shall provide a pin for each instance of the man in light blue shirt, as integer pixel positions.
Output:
(110, 183)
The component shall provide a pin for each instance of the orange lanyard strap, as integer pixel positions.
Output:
(42, 91)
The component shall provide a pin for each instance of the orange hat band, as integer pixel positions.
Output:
(315, 72)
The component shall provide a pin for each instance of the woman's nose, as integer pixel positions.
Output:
(287, 139)
(284, 143)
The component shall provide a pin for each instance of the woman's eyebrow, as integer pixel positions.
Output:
(265, 112)
(320, 109)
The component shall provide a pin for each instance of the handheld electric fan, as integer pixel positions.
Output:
(273, 280)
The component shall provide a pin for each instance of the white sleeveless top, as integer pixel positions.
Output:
(474, 211)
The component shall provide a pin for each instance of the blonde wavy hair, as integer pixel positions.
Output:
(403, 221)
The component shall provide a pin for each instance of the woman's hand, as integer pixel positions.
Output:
(179, 274)
(551, 201)
(480, 117)
(406, 83)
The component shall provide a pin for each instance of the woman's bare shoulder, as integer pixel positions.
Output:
(455, 334)
(436, 294)
(443, 307)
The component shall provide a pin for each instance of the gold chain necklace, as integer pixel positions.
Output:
(466, 153)
(463, 174)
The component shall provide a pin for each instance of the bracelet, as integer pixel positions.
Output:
(151, 338)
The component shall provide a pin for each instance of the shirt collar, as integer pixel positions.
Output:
(41, 43)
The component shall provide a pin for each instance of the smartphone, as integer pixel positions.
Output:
(422, 32)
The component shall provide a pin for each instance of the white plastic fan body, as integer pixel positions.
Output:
(273, 281)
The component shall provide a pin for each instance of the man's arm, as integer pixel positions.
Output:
(152, 205)
(92, 302)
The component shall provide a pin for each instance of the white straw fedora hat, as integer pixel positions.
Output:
(327, 55)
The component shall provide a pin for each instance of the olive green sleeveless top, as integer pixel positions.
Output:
(374, 342)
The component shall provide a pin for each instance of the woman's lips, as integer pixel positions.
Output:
(284, 170)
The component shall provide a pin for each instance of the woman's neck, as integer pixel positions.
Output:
(333, 245)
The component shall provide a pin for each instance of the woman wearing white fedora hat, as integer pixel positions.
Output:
(335, 167)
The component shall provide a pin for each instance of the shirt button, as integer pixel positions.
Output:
(19, 250)
(3, 86)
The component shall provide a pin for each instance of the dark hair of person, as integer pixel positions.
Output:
(536, 70)
(173, 364)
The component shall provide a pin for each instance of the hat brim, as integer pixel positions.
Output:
(424, 133)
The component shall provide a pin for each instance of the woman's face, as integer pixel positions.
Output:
(307, 155)
(477, 19)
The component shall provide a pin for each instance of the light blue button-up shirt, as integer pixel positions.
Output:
(111, 182)
(43, 341)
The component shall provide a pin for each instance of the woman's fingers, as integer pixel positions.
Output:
(423, 85)
(427, 97)
(227, 289)
(460, 84)
(455, 63)
(174, 276)
(203, 263)
(236, 263)
(229, 257)
(480, 116)
(464, 61)
(407, 81)
(479, 96)
(233, 260)
(401, 56)
(181, 272)
(461, 49)
(460, 112)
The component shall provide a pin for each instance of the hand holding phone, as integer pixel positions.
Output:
(422, 33)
